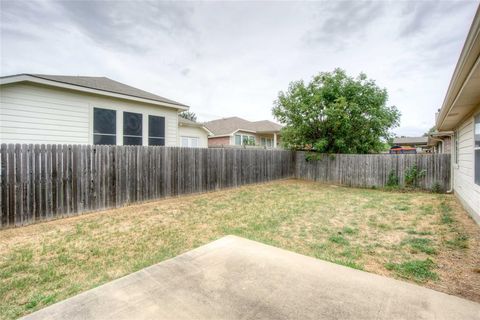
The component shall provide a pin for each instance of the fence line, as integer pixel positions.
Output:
(42, 182)
(373, 170)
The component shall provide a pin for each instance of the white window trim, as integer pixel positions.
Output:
(241, 138)
(189, 141)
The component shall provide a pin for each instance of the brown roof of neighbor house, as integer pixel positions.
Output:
(103, 84)
(410, 140)
(227, 126)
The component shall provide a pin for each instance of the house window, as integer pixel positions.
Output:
(104, 126)
(266, 142)
(477, 149)
(191, 142)
(244, 139)
(132, 129)
(156, 131)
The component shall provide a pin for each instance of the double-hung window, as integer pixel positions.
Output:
(156, 131)
(191, 142)
(104, 126)
(476, 148)
(132, 129)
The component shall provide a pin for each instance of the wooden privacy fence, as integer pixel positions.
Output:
(373, 170)
(42, 182)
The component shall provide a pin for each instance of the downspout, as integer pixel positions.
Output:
(448, 134)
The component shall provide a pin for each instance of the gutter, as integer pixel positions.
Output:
(435, 136)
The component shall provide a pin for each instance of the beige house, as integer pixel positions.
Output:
(419, 143)
(235, 131)
(192, 134)
(52, 109)
(460, 116)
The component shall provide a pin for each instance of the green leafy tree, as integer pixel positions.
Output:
(431, 130)
(335, 113)
(189, 115)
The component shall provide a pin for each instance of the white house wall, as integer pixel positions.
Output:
(464, 184)
(38, 114)
(201, 134)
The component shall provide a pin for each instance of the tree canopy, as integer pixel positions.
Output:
(336, 113)
(189, 115)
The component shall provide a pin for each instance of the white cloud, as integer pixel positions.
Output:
(233, 58)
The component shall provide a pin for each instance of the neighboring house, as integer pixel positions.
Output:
(439, 142)
(235, 131)
(192, 134)
(52, 109)
(420, 143)
(460, 117)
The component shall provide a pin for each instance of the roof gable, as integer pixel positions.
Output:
(102, 84)
(227, 126)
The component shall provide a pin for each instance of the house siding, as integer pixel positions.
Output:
(201, 134)
(463, 169)
(31, 113)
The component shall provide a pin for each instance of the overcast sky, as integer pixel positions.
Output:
(232, 58)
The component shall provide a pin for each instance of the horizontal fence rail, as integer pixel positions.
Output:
(43, 182)
(373, 170)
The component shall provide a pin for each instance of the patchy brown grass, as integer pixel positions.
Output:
(420, 237)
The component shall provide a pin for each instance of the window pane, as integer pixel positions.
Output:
(104, 121)
(101, 139)
(238, 139)
(194, 142)
(132, 124)
(132, 141)
(156, 126)
(184, 141)
(244, 139)
(156, 141)
(251, 139)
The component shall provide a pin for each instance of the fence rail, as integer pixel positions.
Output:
(373, 170)
(42, 182)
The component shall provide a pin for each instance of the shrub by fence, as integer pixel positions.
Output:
(374, 170)
(42, 182)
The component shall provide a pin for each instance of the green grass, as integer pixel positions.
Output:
(420, 244)
(358, 228)
(417, 270)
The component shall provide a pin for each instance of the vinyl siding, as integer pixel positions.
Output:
(184, 131)
(464, 183)
(39, 114)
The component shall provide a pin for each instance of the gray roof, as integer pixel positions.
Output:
(103, 84)
(226, 126)
(410, 140)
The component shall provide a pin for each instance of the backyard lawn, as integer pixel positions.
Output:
(424, 238)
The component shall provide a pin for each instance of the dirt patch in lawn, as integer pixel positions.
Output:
(423, 238)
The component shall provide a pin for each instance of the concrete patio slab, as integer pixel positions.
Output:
(235, 278)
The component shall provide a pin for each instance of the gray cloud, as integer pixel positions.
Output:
(232, 58)
(342, 21)
(129, 25)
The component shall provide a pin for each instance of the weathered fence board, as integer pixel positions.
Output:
(43, 182)
(373, 170)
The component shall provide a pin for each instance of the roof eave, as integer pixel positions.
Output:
(29, 78)
(468, 60)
